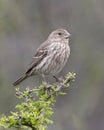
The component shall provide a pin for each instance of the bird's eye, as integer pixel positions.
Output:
(59, 34)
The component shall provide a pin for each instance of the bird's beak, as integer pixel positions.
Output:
(68, 35)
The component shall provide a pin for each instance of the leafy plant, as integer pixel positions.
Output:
(36, 109)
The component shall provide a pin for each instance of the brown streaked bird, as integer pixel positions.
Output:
(50, 57)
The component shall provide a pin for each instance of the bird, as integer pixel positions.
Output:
(50, 57)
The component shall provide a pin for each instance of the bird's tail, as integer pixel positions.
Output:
(18, 81)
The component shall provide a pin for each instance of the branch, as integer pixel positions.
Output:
(36, 109)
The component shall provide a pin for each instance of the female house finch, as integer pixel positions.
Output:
(50, 57)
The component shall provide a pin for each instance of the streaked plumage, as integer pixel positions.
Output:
(50, 57)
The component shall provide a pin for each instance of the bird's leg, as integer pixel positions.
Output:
(58, 79)
(47, 86)
(44, 80)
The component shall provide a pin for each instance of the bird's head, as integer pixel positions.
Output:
(59, 35)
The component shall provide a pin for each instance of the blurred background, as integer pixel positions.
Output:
(25, 24)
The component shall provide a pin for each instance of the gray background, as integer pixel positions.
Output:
(25, 24)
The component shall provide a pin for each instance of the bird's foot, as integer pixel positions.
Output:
(60, 79)
(47, 85)
(44, 82)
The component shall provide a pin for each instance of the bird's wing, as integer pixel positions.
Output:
(40, 54)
